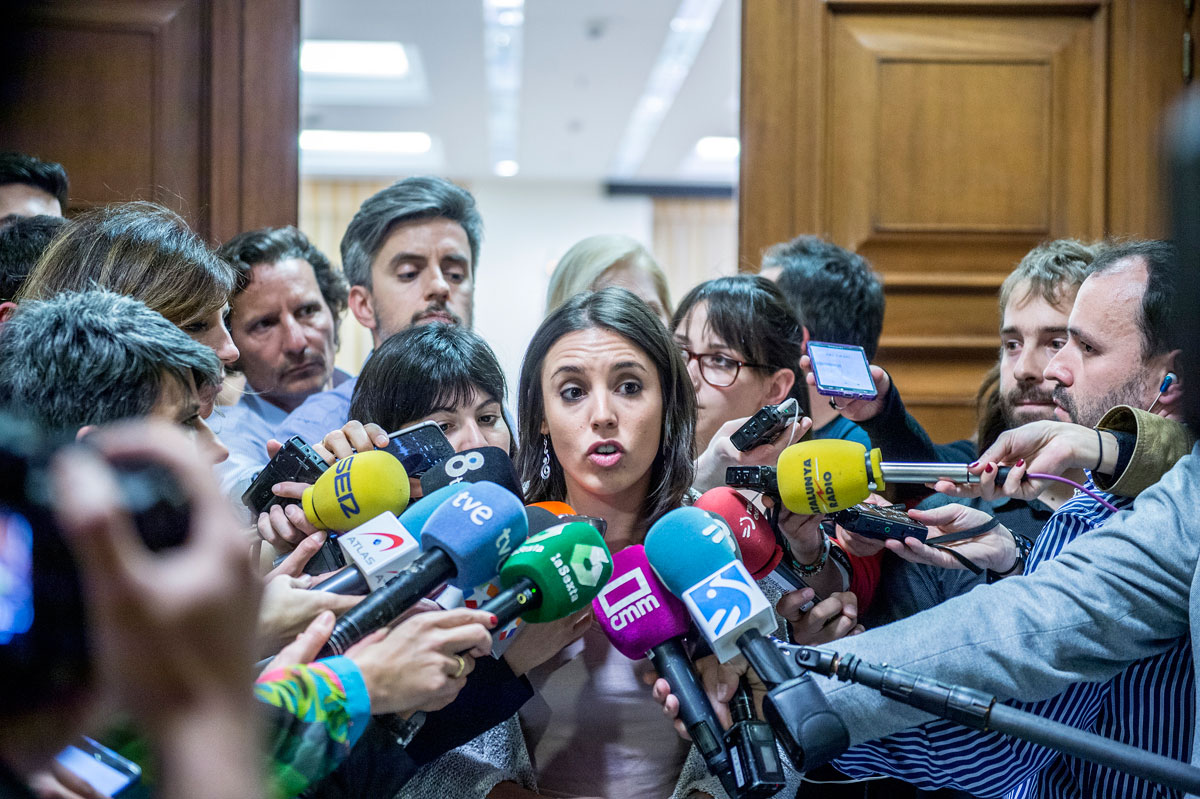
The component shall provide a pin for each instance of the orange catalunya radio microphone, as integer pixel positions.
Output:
(356, 489)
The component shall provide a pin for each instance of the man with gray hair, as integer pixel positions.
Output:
(409, 256)
(82, 359)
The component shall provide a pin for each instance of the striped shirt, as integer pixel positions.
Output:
(1150, 705)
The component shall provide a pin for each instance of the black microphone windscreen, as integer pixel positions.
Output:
(473, 466)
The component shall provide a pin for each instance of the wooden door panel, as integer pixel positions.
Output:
(952, 137)
(190, 103)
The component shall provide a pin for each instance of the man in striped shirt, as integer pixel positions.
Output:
(1119, 352)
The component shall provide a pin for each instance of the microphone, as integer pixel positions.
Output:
(642, 619)
(831, 475)
(688, 551)
(381, 548)
(502, 636)
(356, 489)
(464, 540)
(761, 552)
(490, 464)
(553, 574)
(733, 616)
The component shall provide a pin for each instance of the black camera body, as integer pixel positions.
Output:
(296, 462)
(44, 653)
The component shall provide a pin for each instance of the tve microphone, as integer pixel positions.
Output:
(502, 636)
(490, 464)
(356, 489)
(464, 541)
(642, 619)
(831, 474)
(381, 548)
(761, 552)
(723, 599)
(553, 574)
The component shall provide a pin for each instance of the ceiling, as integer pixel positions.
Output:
(584, 66)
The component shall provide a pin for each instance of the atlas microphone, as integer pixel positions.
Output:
(643, 619)
(464, 542)
(553, 574)
(379, 549)
(831, 474)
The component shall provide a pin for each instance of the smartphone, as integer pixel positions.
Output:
(841, 370)
(100, 767)
(419, 446)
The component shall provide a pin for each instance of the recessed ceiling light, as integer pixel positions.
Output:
(718, 148)
(367, 59)
(506, 169)
(366, 141)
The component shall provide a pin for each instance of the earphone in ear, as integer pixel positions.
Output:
(1168, 379)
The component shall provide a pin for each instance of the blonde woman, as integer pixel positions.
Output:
(610, 260)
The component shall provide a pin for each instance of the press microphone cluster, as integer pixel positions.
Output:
(829, 475)
(690, 551)
(464, 542)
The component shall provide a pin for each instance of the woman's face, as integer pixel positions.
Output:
(750, 390)
(477, 422)
(604, 413)
(210, 331)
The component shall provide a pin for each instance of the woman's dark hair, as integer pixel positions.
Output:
(421, 369)
(751, 315)
(620, 311)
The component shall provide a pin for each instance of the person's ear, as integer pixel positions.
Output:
(83, 431)
(6, 311)
(778, 386)
(1171, 386)
(362, 305)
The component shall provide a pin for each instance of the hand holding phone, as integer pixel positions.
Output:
(841, 370)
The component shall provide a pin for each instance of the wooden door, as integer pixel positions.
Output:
(191, 103)
(943, 140)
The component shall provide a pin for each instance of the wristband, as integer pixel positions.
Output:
(809, 569)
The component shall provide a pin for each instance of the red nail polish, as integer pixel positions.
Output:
(988, 468)
(1021, 462)
(972, 465)
(495, 620)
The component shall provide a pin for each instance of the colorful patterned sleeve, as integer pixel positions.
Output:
(317, 711)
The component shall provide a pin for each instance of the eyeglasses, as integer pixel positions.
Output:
(719, 371)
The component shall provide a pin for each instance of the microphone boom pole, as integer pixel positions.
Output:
(982, 711)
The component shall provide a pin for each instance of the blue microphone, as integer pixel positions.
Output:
(692, 552)
(464, 541)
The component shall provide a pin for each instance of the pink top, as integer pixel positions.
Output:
(593, 729)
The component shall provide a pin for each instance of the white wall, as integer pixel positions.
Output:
(528, 226)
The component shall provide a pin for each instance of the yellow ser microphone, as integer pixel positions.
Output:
(356, 490)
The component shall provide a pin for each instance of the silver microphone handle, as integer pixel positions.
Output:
(926, 473)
